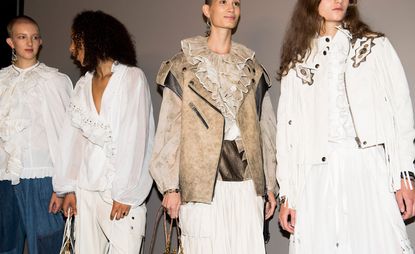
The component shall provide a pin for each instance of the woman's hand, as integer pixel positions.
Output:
(171, 202)
(69, 202)
(270, 205)
(55, 203)
(287, 218)
(406, 200)
(119, 210)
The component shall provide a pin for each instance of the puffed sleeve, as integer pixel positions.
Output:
(132, 181)
(69, 153)
(57, 94)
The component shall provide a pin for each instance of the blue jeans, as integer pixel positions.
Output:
(24, 216)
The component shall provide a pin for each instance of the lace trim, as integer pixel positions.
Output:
(93, 129)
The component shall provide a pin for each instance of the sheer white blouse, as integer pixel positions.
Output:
(109, 150)
(32, 109)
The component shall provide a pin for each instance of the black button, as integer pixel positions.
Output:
(290, 122)
(132, 217)
(328, 48)
(324, 52)
(317, 66)
(184, 69)
(327, 39)
(253, 80)
(364, 143)
(323, 159)
(254, 70)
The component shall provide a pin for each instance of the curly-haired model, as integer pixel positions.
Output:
(110, 41)
(306, 23)
(110, 134)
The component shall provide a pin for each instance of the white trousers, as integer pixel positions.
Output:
(95, 233)
(231, 224)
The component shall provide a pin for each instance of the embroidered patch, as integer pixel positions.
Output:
(305, 74)
(363, 51)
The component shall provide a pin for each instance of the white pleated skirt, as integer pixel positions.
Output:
(347, 206)
(231, 224)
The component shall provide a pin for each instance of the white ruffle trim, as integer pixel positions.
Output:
(93, 129)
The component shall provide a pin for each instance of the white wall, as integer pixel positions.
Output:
(159, 25)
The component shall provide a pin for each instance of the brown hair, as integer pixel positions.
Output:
(306, 23)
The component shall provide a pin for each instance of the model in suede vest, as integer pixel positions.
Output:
(202, 131)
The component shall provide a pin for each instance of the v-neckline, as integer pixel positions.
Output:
(91, 96)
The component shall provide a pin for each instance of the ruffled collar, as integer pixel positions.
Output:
(222, 75)
(25, 70)
(196, 48)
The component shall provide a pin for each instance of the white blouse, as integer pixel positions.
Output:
(109, 150)
(340, 118)
(32, 109)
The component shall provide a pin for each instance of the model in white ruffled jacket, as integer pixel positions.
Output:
(345, 137)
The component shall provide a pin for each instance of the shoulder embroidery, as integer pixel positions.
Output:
(363, 51)
(305, 74)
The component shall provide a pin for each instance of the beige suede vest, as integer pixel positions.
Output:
(202, 129)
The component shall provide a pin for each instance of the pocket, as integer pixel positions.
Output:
(198, 114)
(137, 220)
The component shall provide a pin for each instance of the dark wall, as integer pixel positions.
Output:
(9, 9)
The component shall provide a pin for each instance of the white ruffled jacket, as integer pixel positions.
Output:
(109, 150)
(32, 109)
(379, 100)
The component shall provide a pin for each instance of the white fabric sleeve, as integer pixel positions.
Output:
(284, 159)
(402, 107)
(132, 181)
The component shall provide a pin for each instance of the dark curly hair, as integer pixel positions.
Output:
(103, 37)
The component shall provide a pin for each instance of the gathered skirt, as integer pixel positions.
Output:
(347, 206)
(231, 224)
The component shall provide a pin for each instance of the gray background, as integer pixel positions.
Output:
(158, 26)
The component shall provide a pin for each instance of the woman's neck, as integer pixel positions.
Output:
(220, 41)
(329, 28)
(24, 64)
(104, 69)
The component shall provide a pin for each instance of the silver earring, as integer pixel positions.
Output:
(14, 56)
(208, 24)
(208, 27)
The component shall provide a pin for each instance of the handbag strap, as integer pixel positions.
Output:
(67, 236)
(168, 229)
